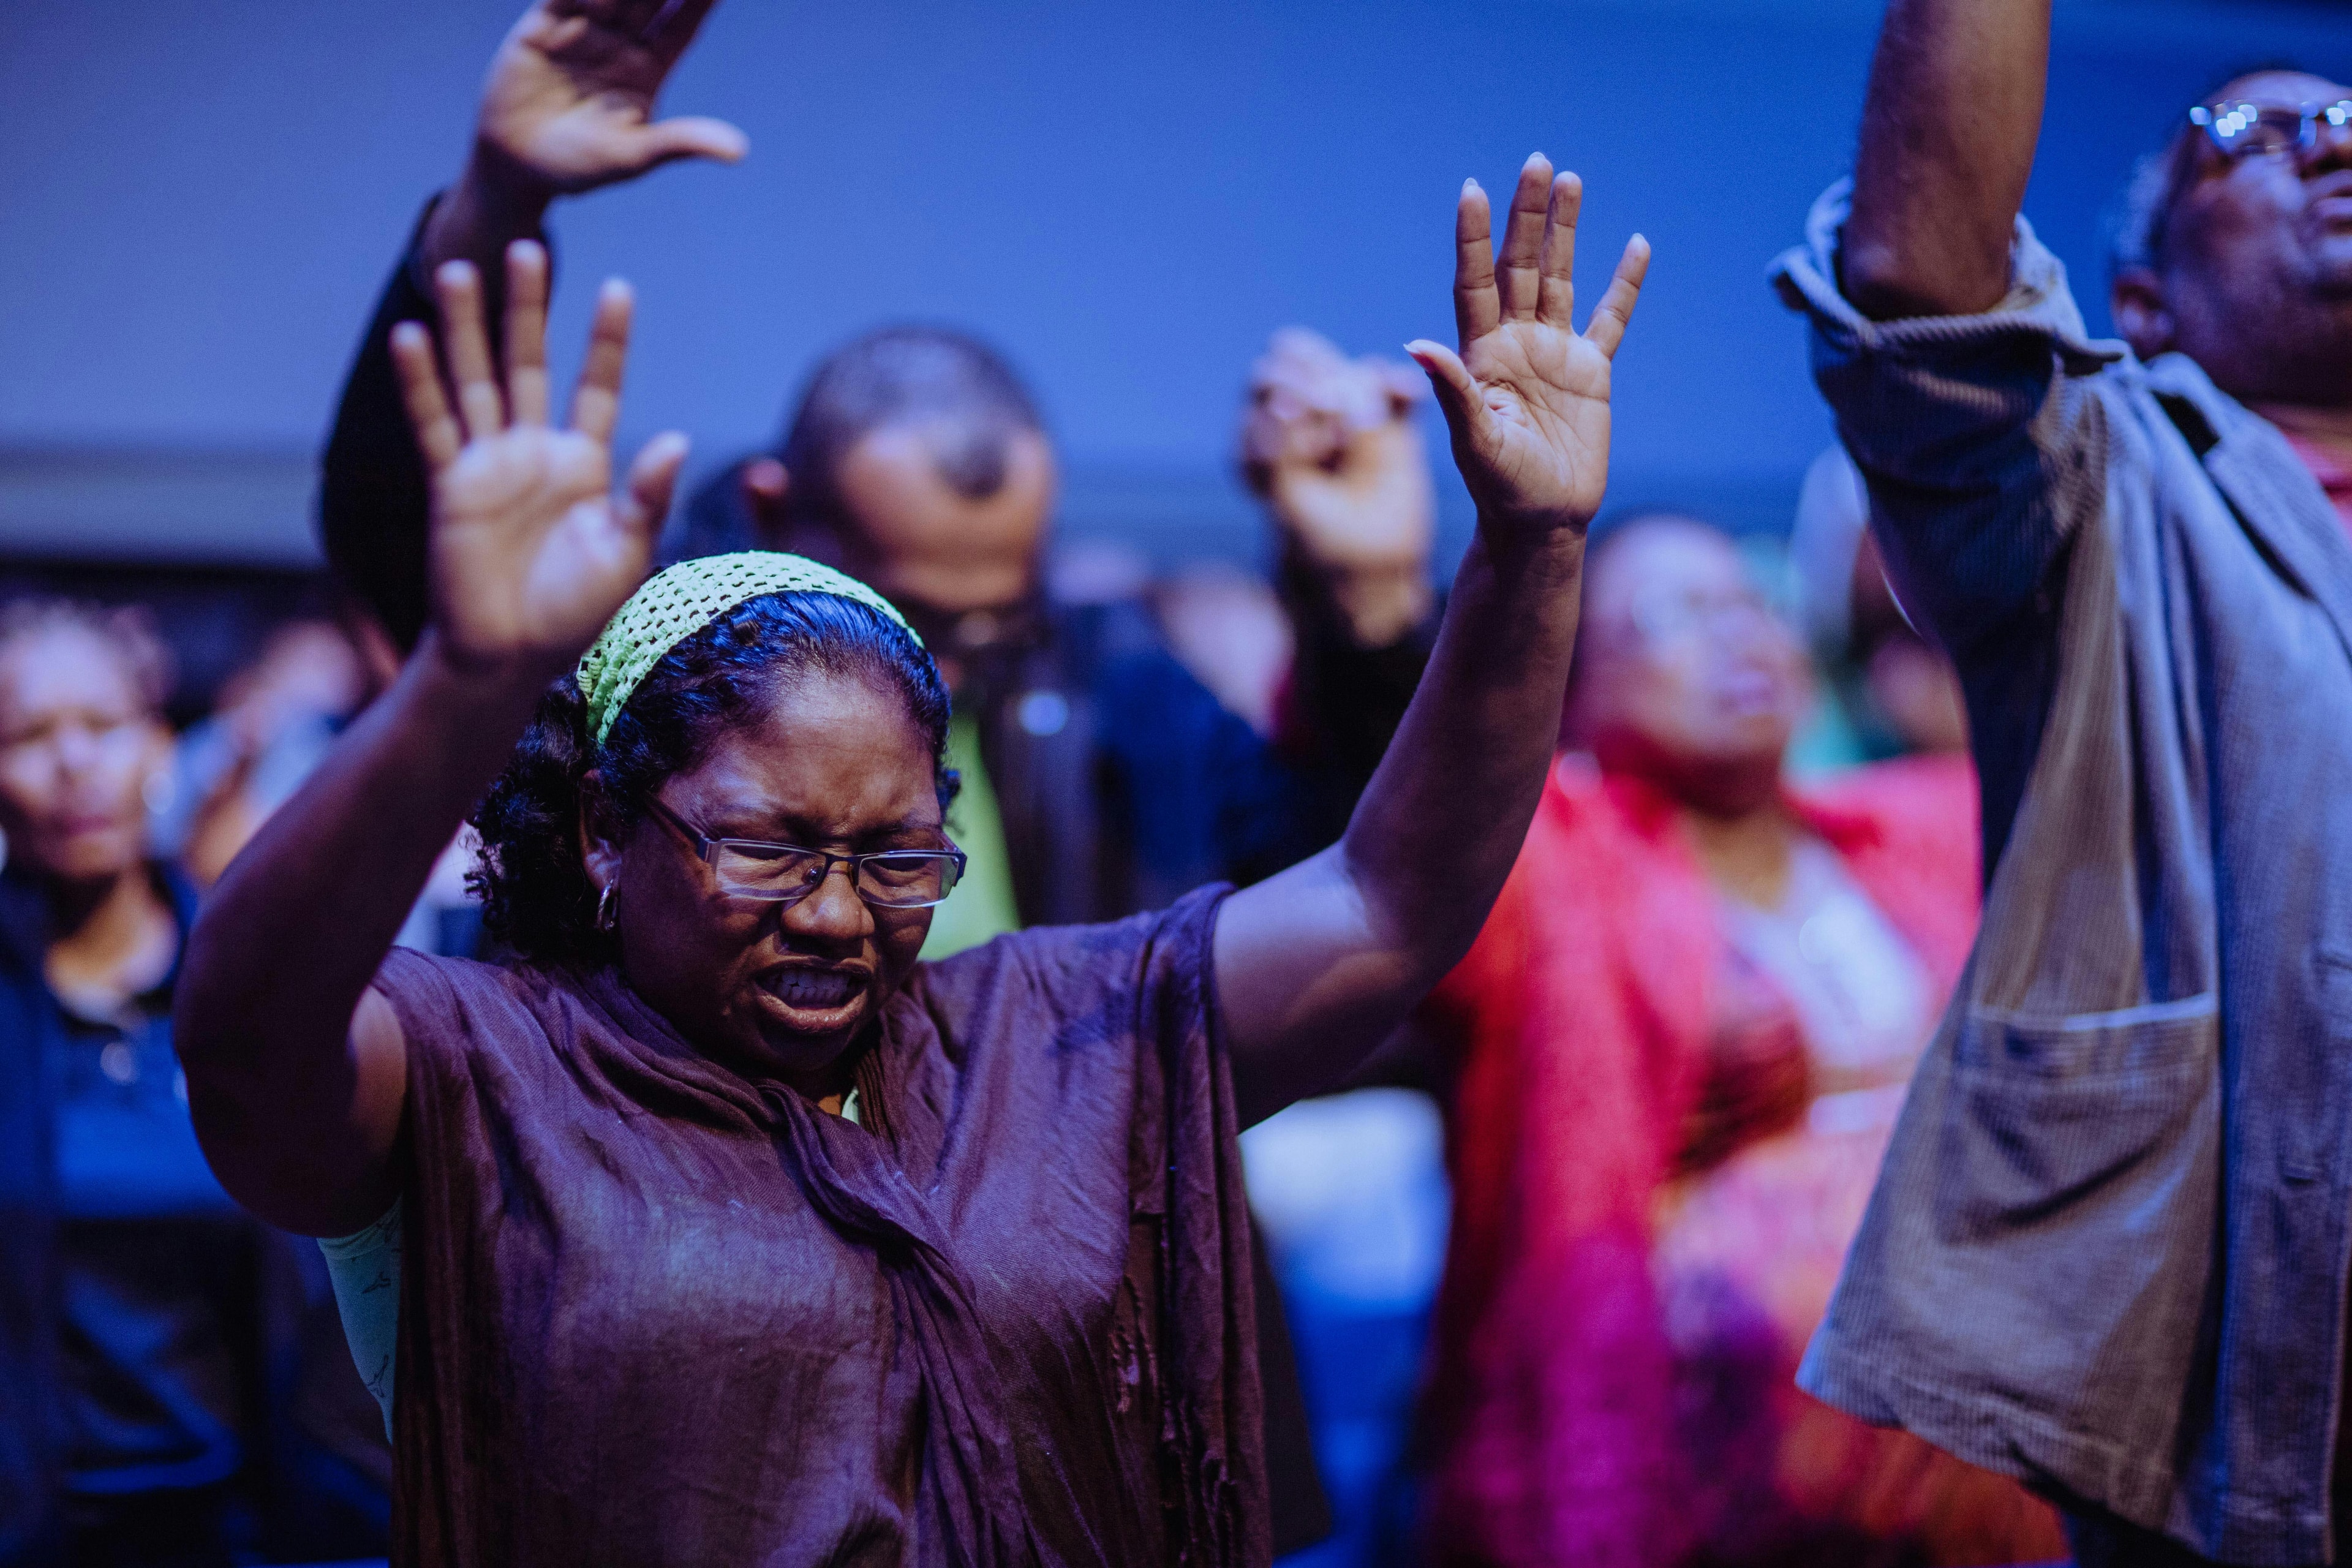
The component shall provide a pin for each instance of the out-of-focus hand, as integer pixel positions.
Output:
(1527, 398)
(569, 106)
(570, 100)
(531, 553)
(1330, 445)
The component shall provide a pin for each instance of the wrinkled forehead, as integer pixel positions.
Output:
(2284, 88)
(835, 754)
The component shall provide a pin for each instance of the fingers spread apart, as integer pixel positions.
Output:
(481, 407)
(1534, 281)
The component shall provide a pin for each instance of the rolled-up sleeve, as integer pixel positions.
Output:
(374, 502)
(1982, 436)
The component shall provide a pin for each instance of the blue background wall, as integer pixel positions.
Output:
(199, 198)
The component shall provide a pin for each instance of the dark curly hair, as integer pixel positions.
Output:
(536, 898)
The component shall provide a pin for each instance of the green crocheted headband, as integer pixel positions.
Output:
(673, 605)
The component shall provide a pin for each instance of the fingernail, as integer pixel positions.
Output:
(1469, 185)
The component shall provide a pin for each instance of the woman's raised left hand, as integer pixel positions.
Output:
(1527, 399)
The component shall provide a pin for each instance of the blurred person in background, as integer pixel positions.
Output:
(1349, 1189)
(272, 722)
(1330, 446)
(144, 1328)
(1681, 1041)
(1227, 625)
(1896, 689)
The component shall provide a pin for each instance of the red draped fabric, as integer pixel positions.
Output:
(1581, 1025)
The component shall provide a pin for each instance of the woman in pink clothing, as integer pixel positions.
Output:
(1682, 1040)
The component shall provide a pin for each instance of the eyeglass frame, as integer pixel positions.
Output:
(706, 849)
(2337, 114)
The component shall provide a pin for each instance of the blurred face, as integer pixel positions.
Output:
(78, 742)
(921, 540)
(1689, 677)
(779, 989)
(2257, 286)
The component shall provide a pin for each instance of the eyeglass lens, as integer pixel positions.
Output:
(906, 879)
(2257, 130)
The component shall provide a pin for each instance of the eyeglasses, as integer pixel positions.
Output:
(2246, 130)
(785, 874)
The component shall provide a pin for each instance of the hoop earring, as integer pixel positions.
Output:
(605, 919)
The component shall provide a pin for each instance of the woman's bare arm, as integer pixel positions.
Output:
(1948, 135)
(1317, 965)
(296, 1071)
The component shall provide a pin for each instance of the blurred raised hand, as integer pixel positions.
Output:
(1330, 444)
(1527, 398)
(568, 106)
(570, 99)
(531, 550)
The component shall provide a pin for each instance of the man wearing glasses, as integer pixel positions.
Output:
(2109, 1250)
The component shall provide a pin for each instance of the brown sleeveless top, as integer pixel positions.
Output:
(654, 1312)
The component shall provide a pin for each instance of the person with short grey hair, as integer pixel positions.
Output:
(2109, 1250)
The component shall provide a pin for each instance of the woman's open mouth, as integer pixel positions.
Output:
(812, 992)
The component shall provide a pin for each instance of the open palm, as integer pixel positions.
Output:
(531, 552)
(1527, 398)
(570, 98)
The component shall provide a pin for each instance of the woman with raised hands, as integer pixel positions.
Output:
(725, 1230)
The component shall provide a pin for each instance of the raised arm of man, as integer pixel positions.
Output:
(1949, 345)
(568, 107)
(1948, 135)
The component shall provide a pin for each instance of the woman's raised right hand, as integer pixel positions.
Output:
(531, 551)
